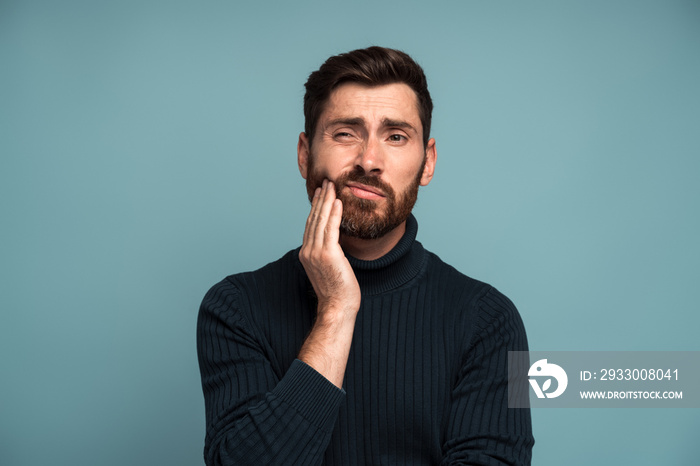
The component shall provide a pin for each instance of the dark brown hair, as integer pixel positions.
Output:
(373, 66)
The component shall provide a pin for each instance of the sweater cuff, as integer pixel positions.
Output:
(311, 394)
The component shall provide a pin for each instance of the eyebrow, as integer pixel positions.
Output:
(398, 124)
(347, 121)
(386, 122)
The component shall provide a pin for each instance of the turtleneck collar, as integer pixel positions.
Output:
(395, 268)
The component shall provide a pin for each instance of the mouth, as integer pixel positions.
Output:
(365, 192)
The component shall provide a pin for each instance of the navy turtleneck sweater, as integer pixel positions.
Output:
(425, 383)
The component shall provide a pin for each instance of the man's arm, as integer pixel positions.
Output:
(327, 347)
(482, 429)
(253, 417)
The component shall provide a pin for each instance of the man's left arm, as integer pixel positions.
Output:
(482, 429)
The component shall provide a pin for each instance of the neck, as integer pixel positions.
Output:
(372, 249)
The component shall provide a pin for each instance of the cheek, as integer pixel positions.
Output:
(409, 174)
(330, 167)
(318, 171)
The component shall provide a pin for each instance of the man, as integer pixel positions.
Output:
(361, 347)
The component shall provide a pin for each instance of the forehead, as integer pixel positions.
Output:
(393, 101)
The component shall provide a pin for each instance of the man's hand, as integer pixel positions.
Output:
(322, 257)
(327, 347)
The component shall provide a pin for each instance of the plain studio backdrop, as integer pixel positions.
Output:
(148, 149)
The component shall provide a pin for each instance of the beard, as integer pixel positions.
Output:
(363, 218)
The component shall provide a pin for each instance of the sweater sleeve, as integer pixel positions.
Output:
(253, 416)
(482, 429)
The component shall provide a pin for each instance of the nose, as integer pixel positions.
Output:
(370, 158)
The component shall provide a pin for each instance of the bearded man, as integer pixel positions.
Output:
(361, 347)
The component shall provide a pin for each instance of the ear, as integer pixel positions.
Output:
(303, 154)
(430, 160)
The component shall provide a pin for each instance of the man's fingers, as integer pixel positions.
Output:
(327, 198)
(310, 222)
(316, 217)
(333, 225)
(316, 222)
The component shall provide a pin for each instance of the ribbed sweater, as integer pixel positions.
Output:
(425, 383)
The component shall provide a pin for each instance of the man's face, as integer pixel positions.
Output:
(369, 142)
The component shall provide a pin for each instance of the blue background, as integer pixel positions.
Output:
(148, 150)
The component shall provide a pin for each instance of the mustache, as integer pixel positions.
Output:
(359, 176)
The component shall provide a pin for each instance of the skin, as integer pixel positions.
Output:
(378, 130)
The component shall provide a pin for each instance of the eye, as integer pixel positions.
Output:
(397, 137)
(342, 135)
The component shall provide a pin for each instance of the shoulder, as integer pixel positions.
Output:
(466, 289)
(234, 291)
(270, 273)
(487, 311)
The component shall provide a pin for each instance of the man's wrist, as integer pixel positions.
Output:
(328, 344)
(333, 316)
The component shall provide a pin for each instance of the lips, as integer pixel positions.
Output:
(362, 190)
